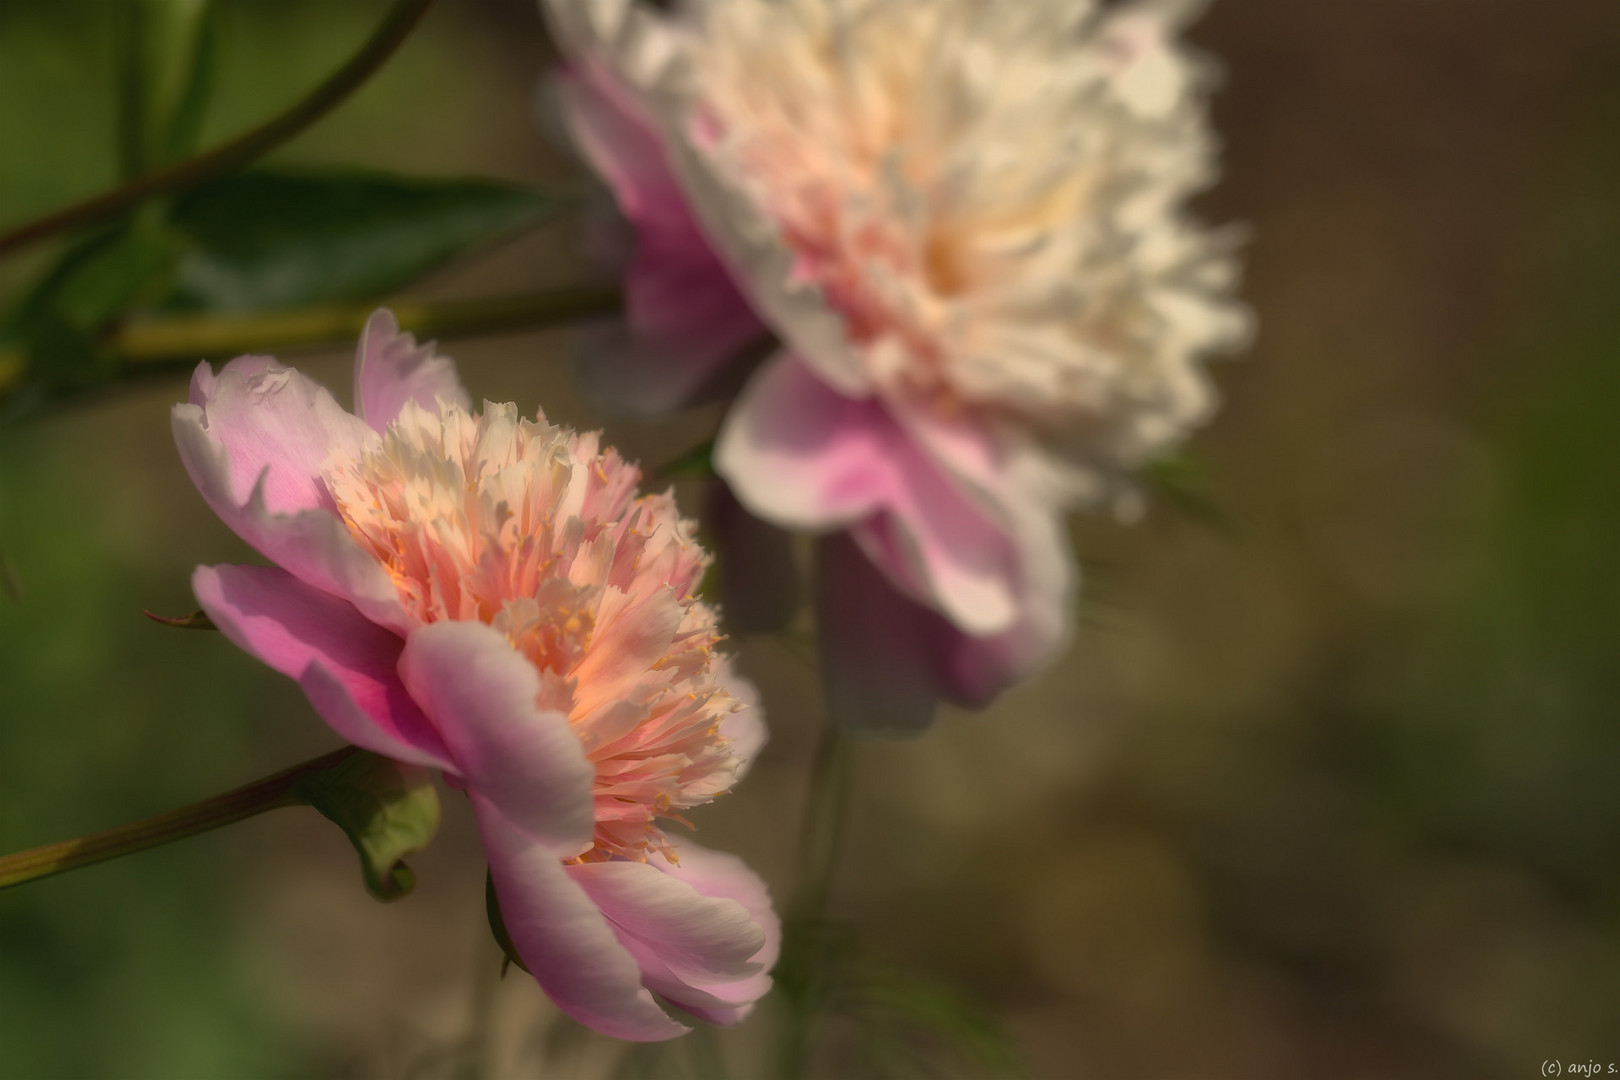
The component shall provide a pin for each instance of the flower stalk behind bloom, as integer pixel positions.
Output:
(271, 793)
(489, 595)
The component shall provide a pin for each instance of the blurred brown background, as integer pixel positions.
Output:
(1329, 787)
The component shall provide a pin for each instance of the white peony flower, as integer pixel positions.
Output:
(965, 223)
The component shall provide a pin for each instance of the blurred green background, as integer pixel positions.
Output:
(1327, 788)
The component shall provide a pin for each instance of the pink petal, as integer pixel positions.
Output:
(204, 382)
(887, 661)
(979, 668)
(694, 949)
(765, 267)
(619, 140)
(745, 727)
(345, 663)
(253, 439)
(798, 453)
(526, 762)
(273, 421)
(1016, 481)
(391, 369)
(687, 318)
(564, 939)
(643, 135)
(717, 874)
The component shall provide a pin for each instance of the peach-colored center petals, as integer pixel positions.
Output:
(539, 533)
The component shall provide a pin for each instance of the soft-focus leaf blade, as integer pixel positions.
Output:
(275, 239)
(102, 276)
(388, 810)
(167, 52)
(1182, 481)
(10, 581)
(56, 329)
(905, 1018)
(694, 464)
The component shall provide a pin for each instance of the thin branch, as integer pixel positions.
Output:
(241, 151)
(269, 793)
(191, 338)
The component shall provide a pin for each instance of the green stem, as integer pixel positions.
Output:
(821, 836)
(12, 369)
(192, 338)
(822, 833)
(152, 345)
(240, 151)
(267, 794)
(10, 583)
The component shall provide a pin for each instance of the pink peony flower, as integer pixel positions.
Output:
(963, 222)
(489, 596)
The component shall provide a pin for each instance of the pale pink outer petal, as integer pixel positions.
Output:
(643, 58)
(887, 661)
(390, 368)
(526, 762)
(687, 318)
(1018, 483)
(696, 949)
(274, 421)
(345, 663)
(750, 243)
(714, 873)
(253, 439)
(797, 452)
(746, 727)
(564, 940)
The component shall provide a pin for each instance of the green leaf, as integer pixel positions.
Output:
(102, 276)
(695, 464)
(57, 327)
(167, 50)
(277, 239)
(388, 810)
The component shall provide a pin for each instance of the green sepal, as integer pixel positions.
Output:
(497, 927)
(387, 809)
(197, 620)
